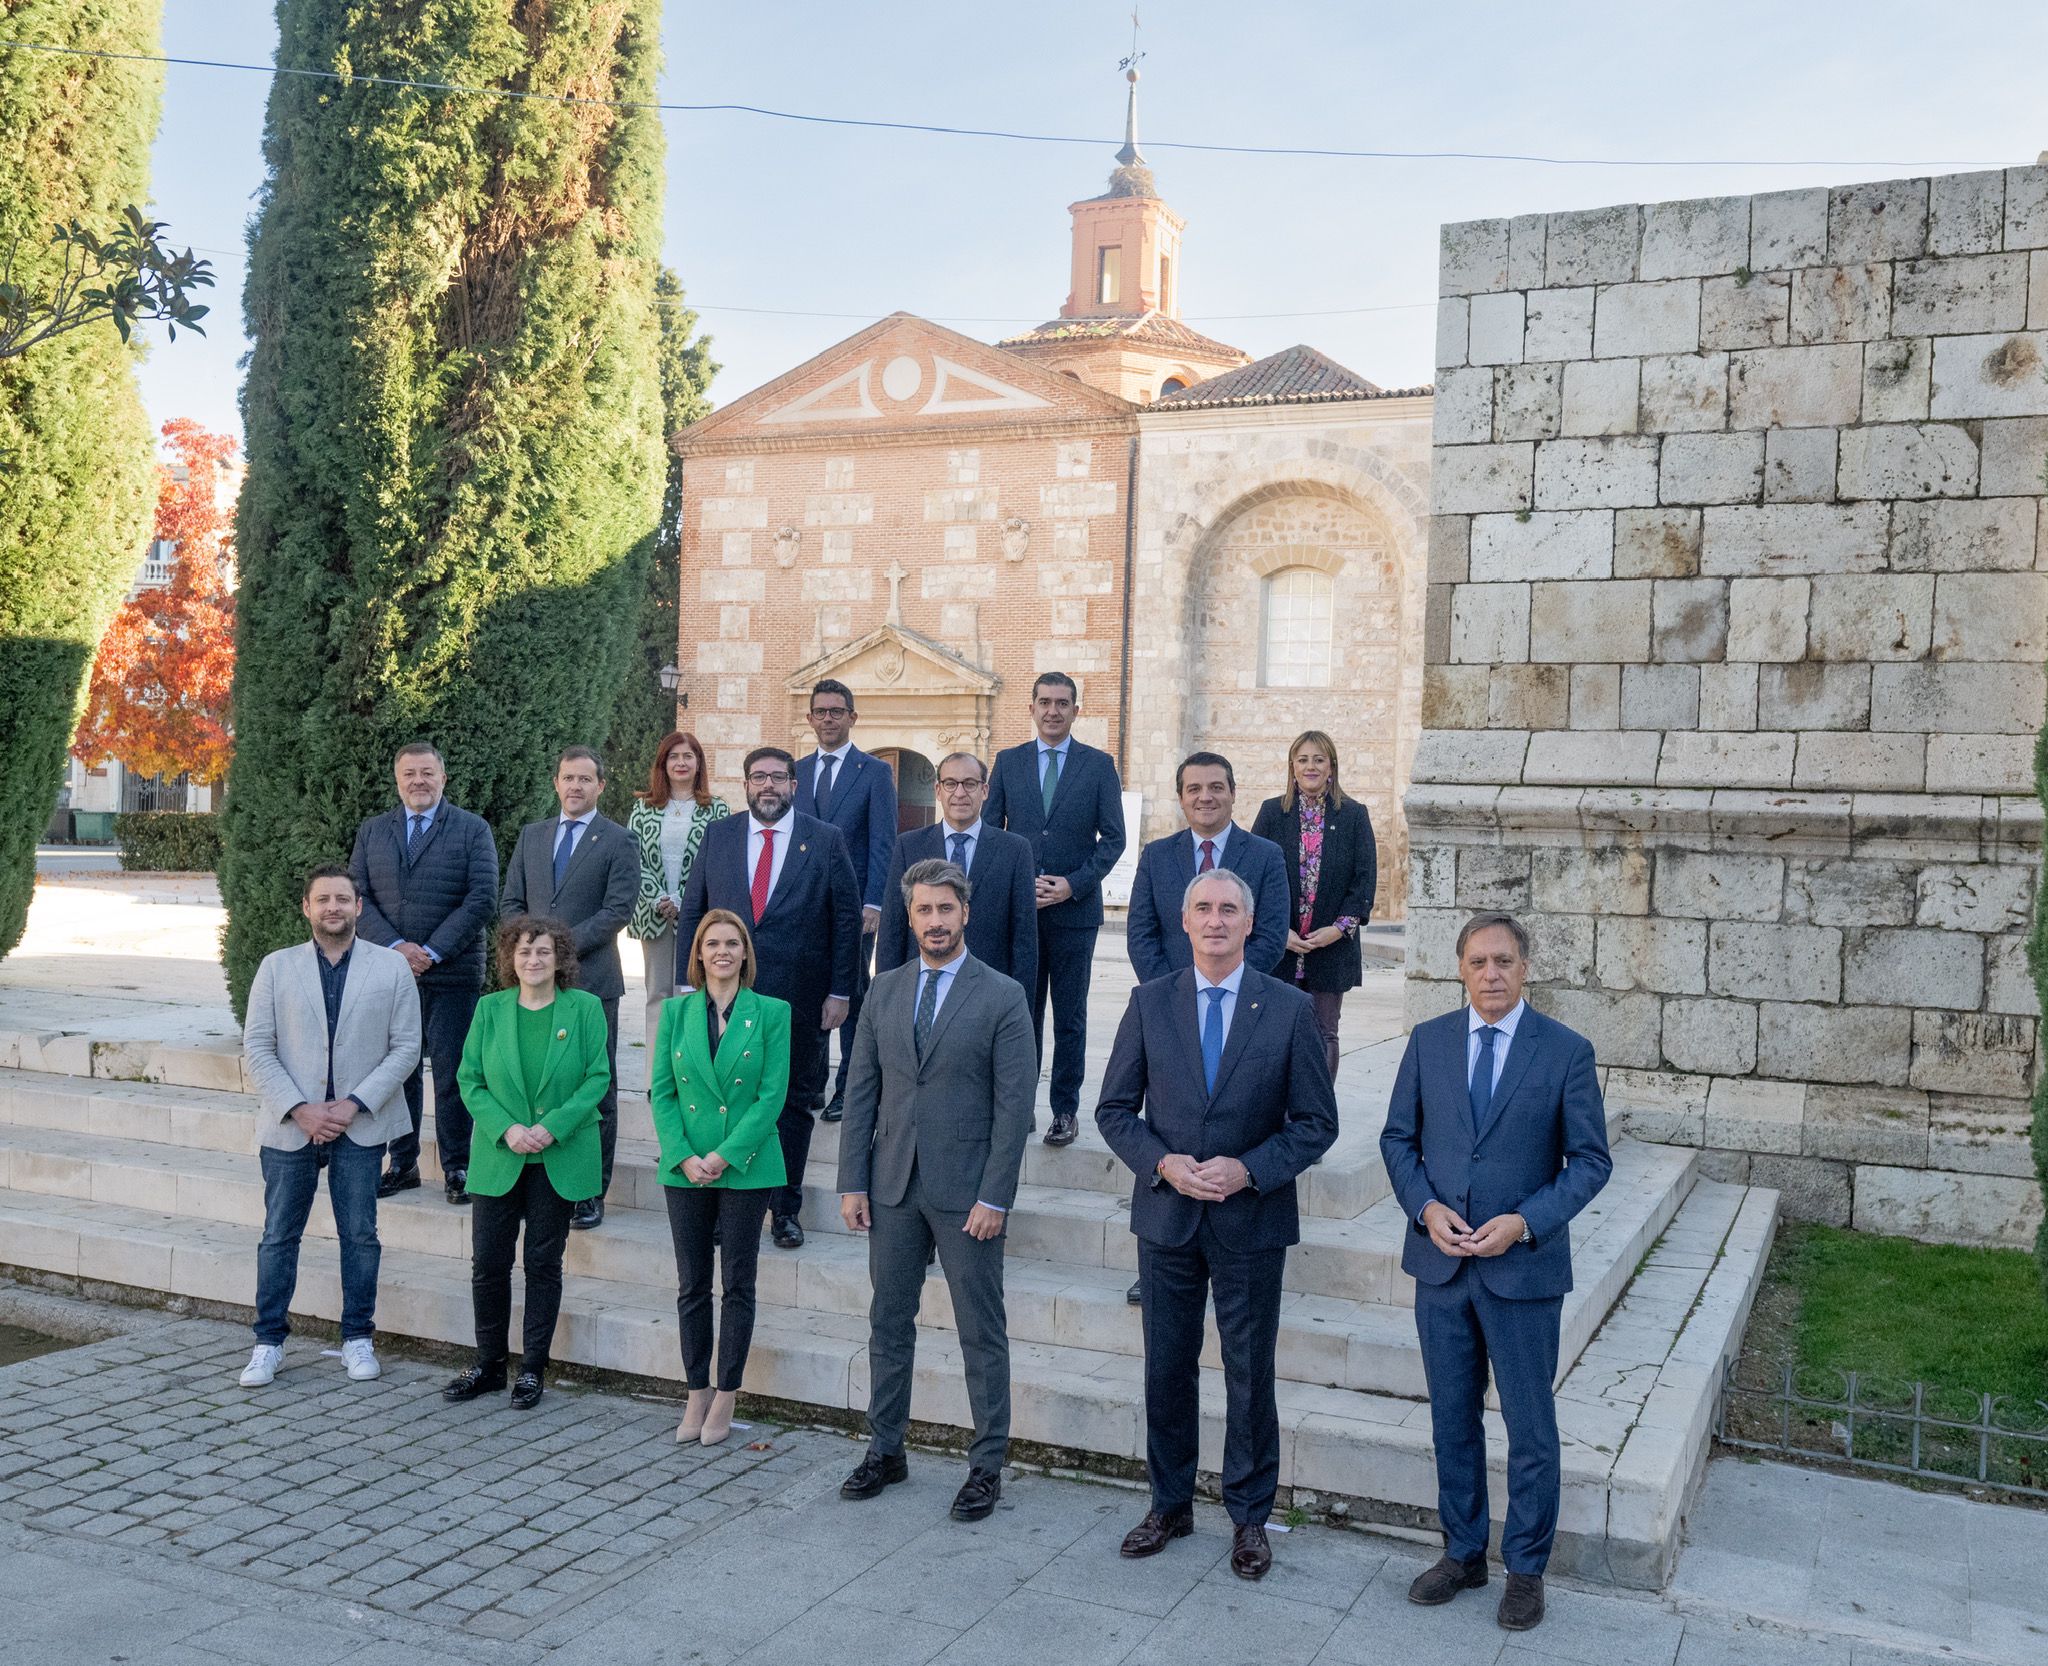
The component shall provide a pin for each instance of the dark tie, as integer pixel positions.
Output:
(714, 1025)
(821, 795)
(413, 827)
(960, 851)
(927, 1010)
(764, 869)
(565, 849)
(1208, 861)
(1480, 1090)
(1051, 783)
(1212, 1037)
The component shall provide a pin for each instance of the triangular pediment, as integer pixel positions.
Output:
(905, 375)
(893, 660)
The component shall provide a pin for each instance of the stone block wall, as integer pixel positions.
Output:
(1737, 612)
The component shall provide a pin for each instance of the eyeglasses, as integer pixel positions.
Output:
(947, 785)
(780, 778)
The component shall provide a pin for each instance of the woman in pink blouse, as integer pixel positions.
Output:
(1332, 867)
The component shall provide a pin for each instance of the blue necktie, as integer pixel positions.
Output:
(1212, 1038)
(1480, 1089)
(564, 850)
(821, 794)
(960, 851)
(413, 824)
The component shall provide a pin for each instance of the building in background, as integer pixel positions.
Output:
(1221, 552)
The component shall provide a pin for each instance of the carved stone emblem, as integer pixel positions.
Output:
(1016, 537)
(888, 663)
(786, 541)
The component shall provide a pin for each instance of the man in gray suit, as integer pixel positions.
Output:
(938, 1107)
(332, 1032)
(584, 868)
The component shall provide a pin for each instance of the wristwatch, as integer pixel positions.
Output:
(1527, 1236)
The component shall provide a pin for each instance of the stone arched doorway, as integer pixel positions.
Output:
(917, 792)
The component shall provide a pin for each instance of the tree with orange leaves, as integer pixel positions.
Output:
(160, 682)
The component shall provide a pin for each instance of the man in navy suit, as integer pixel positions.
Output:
(428, 876)
(1066, 800)
(855, 792)
(1217, 1096)
(1002, 929)
(1495, 1117)
(1207, 788)
(790, 876)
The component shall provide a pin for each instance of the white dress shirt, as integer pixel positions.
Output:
(1219, 840)
(580, 823)
(1506, 1025)
(838, 772)
(780, 845)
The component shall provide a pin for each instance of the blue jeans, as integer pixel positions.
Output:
(290, 1178)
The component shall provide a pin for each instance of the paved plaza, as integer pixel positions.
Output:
(153, 1513)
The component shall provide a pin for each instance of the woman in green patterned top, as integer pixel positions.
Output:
(668, 825)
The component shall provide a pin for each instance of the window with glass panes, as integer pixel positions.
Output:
(1295, 637)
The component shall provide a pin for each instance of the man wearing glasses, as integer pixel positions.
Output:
(1002, 927)
(789, 876)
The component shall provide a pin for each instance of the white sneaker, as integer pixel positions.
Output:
(264, 1359)
(361, 1359)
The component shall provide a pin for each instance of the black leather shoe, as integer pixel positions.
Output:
(977, 1496)
(1521, 1604)
(1445, 1579)
(873, 1473)
(1152, 1534)
(526, 1391)
(1136, 1294)
(787, 1234)
(393, 1181)
(458, 1185)
(1065, 1125)
(1250, 1555)
(588, 1213)
(834, 1111)
(478, 1379)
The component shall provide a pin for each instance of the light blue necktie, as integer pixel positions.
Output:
(1212, 1037)
(1480, 1089)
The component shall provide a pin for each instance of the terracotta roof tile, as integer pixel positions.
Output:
(1151, 329)
(1294, 375)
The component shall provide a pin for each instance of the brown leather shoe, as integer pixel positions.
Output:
(1521, 1604)
(1250, 1554)
(1150, 1536)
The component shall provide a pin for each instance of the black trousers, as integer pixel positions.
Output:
(494, 1224)
(608, 1106)
(734, 1213)
(445, 1014)
(795, 1125)
(1175, 1283)
(1066, 963)
(862, 977)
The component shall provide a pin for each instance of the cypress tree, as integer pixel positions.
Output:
(77, 459)
(643, 713)
(452, 419)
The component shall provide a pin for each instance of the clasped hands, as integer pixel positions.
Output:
(1052, 889)
(1321, 938)
(1448, 1231)
(1209, 1182)
(704, 1171)
(324, 1120)
(527, 1140)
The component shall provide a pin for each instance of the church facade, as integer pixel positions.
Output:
(1222, 553)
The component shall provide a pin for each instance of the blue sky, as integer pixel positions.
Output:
(973, 232)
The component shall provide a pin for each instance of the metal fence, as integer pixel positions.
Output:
(1870, 1422)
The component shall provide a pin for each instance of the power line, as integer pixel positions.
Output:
(769, 113)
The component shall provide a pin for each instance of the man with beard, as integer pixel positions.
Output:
(789, 876)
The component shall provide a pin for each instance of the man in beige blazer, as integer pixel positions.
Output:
(331, 1034)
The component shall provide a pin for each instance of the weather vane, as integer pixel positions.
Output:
(1130, 65)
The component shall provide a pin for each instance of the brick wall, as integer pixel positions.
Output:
(1735, 632)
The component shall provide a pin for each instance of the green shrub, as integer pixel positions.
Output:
(168, 841)
(453, 422)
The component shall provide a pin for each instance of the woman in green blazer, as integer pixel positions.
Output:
(717, 1080)
(534, 1070)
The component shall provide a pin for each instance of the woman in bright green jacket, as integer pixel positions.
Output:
(717, 1080)
(534, 1070)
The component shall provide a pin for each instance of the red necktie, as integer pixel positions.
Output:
(1208, 862)
(762, 869)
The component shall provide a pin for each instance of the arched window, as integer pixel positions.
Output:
(1295, 607)
(1172, 384)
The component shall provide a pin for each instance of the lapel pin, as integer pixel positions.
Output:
(561, 1035)
(749, 1023)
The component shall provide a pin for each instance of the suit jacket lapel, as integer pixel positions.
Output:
(1526, 1041)
(1236, 848)
(732, 1041)
(956, 997)
(795, 857)
(1185, 1025)
(1251, 1006)
(1068, 766)
(509, 1046)
(558, 1045)
(428, 835)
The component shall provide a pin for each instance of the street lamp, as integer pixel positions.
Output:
(670, 676)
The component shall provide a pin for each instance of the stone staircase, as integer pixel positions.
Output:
(151, 1185)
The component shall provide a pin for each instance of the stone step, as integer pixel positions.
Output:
(1334, 1338)
(1635, 1413)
